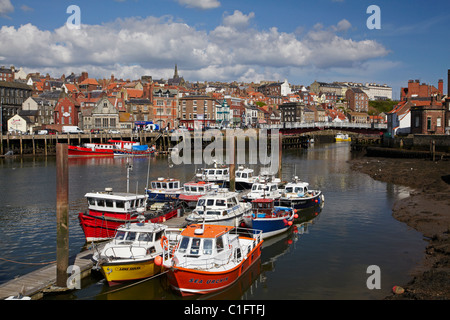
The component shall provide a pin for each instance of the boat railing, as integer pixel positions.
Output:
(128, 252)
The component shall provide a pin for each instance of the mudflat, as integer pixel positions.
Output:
(426, 209)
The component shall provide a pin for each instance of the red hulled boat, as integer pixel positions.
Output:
(209, 258)
(109, 210)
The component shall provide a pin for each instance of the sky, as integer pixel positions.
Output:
(230, 40)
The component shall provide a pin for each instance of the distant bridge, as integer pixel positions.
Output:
(298, 127)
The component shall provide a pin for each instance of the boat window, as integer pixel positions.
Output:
(200, 212)
(120, 235)
(211, 172)
(164, 185)
(237, 254)
(159, 235)
(201, 202)
(299, 189)
(183, 244)
(186, 188)
(289, 189)
(210, 202)
(201, 189)
(219, 244)
(244, 175)
(153, 184)
(207, 246)
(212, 212)
(120, 204)
(100, 202)
(219, 172)
(131, 236)
(194, 189)
(195, 246)
(170, 185)
(238, 175)
(176, 185)
(220, 202)
(254, 187)
(109, 203)
(225, 171)
(273, 188)
(158, 185)
(146, 236)
(91, 201)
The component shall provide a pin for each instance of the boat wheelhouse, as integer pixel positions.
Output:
(131, 254)
(263, 189)
(109, 210)
(164, 189)
(296, 194)
(221, 207)
(219, 174)
(210, 258)
(193, 190)
(244, 178)
(270, 219)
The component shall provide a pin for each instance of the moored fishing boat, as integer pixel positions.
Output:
(342, 137)
(270, 219)
(193, 190)
(219, 174)
(244, 178)
(297, 195)
(164, 189)
(210, 258)
(108, 210)
(263, 188)
(91, 150)
(130, 148)
(221, 207)
(131, 254)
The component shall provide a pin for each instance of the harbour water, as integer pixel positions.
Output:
(326, 255)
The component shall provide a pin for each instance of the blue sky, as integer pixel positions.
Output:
(302, 41)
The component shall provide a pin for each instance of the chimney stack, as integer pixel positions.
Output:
(441, 87)
(448, 84)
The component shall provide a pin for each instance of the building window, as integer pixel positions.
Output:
(417, 121)
(438, 122)
(428, 123)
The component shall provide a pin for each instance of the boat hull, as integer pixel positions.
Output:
(270, 226)
(301, 203)
(190, 282)
(98, 226)
(73, 151)
(116, 273)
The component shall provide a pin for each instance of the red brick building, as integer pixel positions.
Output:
(66, 111)
(357, 100)
(428, 117)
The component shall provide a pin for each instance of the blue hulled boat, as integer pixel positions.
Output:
(162, 190)
(268, 218)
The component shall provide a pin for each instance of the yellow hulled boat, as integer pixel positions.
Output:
(131, 254)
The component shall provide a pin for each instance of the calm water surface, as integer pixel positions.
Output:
(325, 257)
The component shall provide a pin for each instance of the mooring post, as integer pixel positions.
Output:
(62, 215)
(280, 154)
(232, 162)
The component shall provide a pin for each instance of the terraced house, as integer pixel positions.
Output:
(12, 95)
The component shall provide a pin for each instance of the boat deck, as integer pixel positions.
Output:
(38, 282)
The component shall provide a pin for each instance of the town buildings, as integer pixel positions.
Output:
(117, 104)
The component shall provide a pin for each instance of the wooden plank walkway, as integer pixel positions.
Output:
(36, 283)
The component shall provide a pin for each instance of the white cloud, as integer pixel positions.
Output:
(133, 47)
(5, 7)
(238, 19)
(201, 4)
